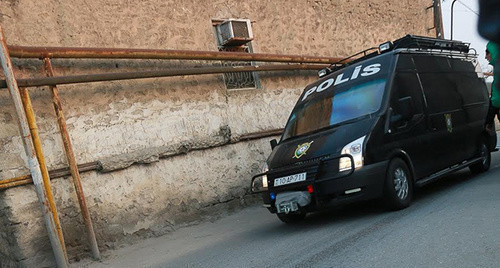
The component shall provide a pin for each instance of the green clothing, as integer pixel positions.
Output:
(494, 50)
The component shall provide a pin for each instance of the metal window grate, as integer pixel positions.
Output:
(240, 80)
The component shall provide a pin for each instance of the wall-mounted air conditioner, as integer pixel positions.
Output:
(235, 32)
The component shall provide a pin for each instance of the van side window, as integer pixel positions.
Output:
(467, 82)
(467, 85)
(434, 64)
(438, 83)
(407, 85)
(461, 65)
(441, 92)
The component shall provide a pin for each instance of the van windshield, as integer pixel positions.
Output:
(340, 105)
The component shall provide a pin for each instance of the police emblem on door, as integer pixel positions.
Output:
(302, 149)
(449, 126)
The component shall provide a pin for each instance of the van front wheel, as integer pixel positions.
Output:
(398, 190)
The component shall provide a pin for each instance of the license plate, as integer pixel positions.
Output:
(290, 179)
(287, 207)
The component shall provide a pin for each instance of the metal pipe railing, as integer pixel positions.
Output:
(116, 53)
(88, 78)
(70, 156)
(130, 53)
(30, 153)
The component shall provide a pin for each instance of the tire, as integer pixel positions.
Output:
(292, 217)
(398, 188)
(484, 164)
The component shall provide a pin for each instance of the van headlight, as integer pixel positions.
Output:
(259, 182)
(265, 169)
(355, 149)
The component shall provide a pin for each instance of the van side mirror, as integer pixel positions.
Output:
(406, 109)
(273, 142)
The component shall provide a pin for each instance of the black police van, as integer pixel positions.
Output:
(390, 119)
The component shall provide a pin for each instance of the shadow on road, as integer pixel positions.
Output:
(369, 209)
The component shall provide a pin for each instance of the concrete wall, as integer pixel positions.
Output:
(146, 121)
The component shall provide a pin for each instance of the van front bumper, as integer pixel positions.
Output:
(362, 184)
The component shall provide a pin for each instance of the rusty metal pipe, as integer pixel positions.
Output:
(131, 53)
(53, 174)
(261, 134)
(15, 183)
(30, 153)
(25, 177)
(73, 167)
(88, 78)
(30, 115)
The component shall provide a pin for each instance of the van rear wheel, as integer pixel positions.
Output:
(398, 190)
(484, 164)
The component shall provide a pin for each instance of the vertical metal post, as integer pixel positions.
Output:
(451, 26)
(30, 152)
(72, 162)
(28, 108)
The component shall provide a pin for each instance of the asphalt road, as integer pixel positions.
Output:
(454, 222)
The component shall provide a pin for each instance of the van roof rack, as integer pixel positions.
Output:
(409, 42)
(422, 42)
(367, 53)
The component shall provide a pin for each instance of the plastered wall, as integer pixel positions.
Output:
(147, 121)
